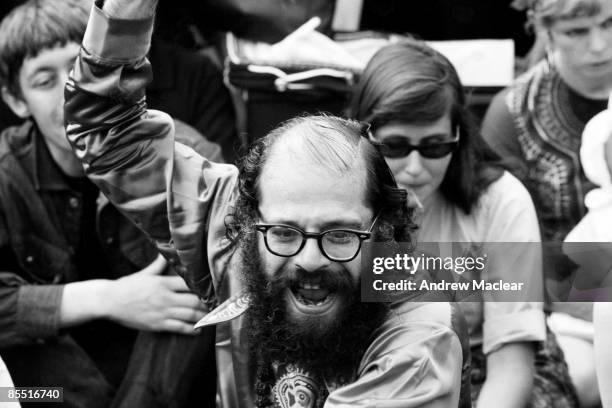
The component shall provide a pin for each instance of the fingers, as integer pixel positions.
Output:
(176, 284)
(178, 326)
(188, 300)
(186, 314)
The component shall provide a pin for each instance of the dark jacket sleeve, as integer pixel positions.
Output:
(28, 313)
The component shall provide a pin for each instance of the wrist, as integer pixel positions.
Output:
(103, 298)
(85, 301)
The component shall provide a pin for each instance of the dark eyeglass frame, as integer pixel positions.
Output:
(361, 235)
(423, 149)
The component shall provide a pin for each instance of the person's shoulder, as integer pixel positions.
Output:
(506, 212)
(15, 139)
(505, 190)
(498, 124)
(538, 70)
(422, 324)
(500, 100)
(507, 184)
(432, 313)
(501, 103)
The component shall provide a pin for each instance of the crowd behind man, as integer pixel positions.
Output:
(104, 201)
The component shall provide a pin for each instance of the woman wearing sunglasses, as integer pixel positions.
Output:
(413, 99)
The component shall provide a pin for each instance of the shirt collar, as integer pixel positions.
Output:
(47, 175)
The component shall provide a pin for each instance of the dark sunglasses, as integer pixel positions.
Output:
(395, 147)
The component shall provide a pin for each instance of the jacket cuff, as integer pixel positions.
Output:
(117, 40)
(38, 310)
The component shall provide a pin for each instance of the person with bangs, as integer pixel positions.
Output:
(413, 99)
(536, 124)
(84, 295)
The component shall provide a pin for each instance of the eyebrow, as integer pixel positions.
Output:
(340, 224)
(324, 226)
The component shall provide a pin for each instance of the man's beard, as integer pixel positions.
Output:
(330, 351)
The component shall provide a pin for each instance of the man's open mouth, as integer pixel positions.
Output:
(312, 293)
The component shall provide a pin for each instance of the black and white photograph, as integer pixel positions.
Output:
(306, 204)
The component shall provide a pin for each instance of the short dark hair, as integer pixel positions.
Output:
(411, 82)
(34, 26)
(332, 142)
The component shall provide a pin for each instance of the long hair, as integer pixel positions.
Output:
(411, 82)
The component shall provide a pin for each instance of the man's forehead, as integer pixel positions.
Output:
(294, 156)
(291, 183)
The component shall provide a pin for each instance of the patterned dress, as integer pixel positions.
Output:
(543, 141)
(536, 126)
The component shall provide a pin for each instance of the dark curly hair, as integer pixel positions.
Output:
(330, 141)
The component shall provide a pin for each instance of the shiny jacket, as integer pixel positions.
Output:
(182, 201)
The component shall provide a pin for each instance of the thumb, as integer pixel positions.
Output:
(157, 267)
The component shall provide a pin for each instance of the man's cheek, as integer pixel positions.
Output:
(57, 116)
(271, 265)
(354, 270)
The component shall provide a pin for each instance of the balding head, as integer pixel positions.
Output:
(327, 141)
(332, 146)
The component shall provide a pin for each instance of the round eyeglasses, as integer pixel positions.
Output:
(395, 147)
(338, 245)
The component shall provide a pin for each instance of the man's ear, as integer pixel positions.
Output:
(17, 105)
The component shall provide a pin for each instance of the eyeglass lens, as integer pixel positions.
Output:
(337, 244)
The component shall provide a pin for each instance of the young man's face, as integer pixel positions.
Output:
(315, 199)
(42, 79)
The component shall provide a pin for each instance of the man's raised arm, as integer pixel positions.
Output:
(167, 189)
(125, 149)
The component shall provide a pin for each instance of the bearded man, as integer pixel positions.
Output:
(273, 249)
